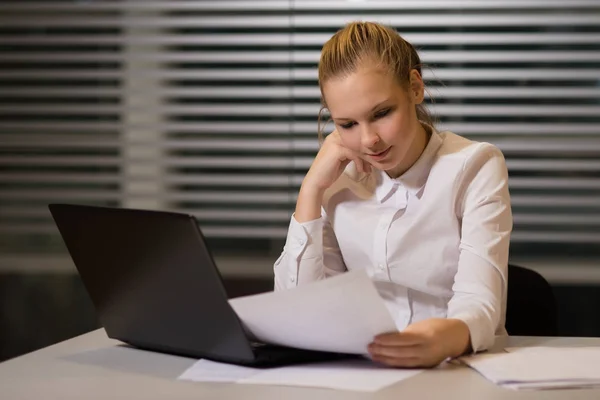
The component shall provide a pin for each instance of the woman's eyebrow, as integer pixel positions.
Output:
(372, 109)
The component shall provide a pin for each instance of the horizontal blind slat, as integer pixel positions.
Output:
(303, 39)
(278, 73)
(304, 5)
(297, 56)
(423, 20)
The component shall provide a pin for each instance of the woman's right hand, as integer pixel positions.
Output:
(330, 162)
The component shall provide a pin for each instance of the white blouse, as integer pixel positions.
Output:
(435, 240)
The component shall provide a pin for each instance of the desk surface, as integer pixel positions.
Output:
(92, 366)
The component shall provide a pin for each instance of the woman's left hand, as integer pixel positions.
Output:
(423, 344)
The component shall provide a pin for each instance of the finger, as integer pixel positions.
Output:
(366, 166)
(359, 165)
(399, 339)
(334, 134)
(408, 362)
(395, 351)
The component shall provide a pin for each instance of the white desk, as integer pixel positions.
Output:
(92, 366)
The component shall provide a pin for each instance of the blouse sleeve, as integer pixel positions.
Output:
(311, 253)
(481, 280)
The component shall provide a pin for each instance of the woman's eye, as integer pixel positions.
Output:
(347, 125)
(382, 113)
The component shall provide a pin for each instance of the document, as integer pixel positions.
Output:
(352, 375)
(339, 314)
(540, 367)
(211, 371)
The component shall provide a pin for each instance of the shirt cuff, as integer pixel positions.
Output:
(480, 339)
(304, 240)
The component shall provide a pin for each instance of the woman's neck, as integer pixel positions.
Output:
(418, 146)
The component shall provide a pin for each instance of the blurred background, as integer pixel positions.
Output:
(210, 108)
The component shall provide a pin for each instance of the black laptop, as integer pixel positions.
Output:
(155, 286)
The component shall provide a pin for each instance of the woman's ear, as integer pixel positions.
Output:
(417, 87)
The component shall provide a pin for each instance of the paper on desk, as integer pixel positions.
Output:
(340, 314)
(355, 375)
(211, 371)
(540, 367)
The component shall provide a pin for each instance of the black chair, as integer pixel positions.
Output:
(531, 307)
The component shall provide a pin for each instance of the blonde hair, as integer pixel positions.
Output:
(369, 42)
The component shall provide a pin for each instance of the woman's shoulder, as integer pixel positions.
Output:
(472, 163)
(465, 151)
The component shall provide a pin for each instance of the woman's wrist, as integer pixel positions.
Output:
(308, 205)
(461, 343)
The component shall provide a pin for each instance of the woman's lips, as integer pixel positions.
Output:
(381, 155)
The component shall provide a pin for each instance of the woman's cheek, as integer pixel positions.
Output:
(351, 142)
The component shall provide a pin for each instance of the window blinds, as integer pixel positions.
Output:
(210, 107)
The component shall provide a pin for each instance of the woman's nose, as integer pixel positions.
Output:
(369, 137)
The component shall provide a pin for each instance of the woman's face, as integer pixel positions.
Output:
(376, 117)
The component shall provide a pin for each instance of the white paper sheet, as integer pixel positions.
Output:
(540, 367)
(341, 314)
(211, 371)
(354, 375)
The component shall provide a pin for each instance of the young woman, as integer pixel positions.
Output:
(426, 213)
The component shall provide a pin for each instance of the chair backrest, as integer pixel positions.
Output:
(531, 306)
